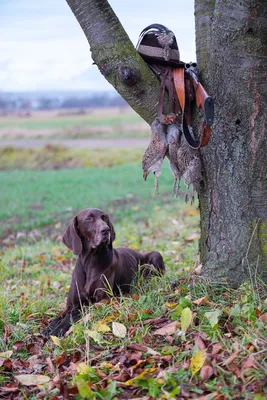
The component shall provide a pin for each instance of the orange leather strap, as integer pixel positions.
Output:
(184, 95)
(205, 134)
(200, 95)
(178, 78)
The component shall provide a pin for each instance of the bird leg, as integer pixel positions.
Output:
(174, 188)
(156, 183)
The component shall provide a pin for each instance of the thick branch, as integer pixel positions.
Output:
(116, 57)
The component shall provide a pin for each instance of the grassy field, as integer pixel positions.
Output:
(184, 338)
(103, 123)
(36, 198)
(58, 157)
(54, 120)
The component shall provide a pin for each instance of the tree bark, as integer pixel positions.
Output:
(116, 57)
(231, 40)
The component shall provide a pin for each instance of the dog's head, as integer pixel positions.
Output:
(91, 225)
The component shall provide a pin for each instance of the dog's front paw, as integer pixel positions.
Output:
(58, 326)
(61, 324)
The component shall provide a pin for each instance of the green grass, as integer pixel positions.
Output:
(97, 124)
(32, 199)
(35, 281)
(70, 121)
(63, 157)
(217, 348)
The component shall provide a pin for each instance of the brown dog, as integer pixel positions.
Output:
(99, 267)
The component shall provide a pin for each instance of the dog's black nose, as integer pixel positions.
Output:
(105, 230)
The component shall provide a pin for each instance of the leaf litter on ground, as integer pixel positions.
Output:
(167, 340)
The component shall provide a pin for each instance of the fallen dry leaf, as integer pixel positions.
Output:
(134, 358)
(156, 321)
(87, 318)
(249, 362)
(33, 360)
(72, 367)
(56, 340)
(168, 329)
(147, 371)
(171, 304)
(236, 346)
(263, 317)
(192, 237)
(32, 380)
(133, 369)
(96, 336)
(6, 354)
(152, 352)
(170, 340)
(119, 330)
(186, 318)
(231, 358)
(211, 303)
(111, 317)
(50, 364)
(6, 389)
(137, 347)
(148, 311)
(122, 376)
(60, 359)
(18, 345)
(235, 369)
(206, 372)
(200, 343)
(101, 327)
(216, 347)
(213, 317)
(197, 270)
(34, 348)
(7, 333)
(192, 212)
(197, 361)
(210, 396)
(8, 364)
(200, 301)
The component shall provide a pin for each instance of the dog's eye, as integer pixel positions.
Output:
(90, 218)
(104, 218)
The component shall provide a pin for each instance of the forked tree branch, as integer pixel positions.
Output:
(116, 57)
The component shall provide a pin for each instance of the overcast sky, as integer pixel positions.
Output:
(42, 46)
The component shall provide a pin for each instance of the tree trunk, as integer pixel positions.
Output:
(231, 40)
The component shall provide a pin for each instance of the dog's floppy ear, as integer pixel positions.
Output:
(112, 232)
(71, 239)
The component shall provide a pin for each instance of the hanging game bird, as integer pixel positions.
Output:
(155, 153)
(184, 162)
(190, 167)
(173, 141)
(193, 175)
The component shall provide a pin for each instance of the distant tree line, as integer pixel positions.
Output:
(12, 102)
